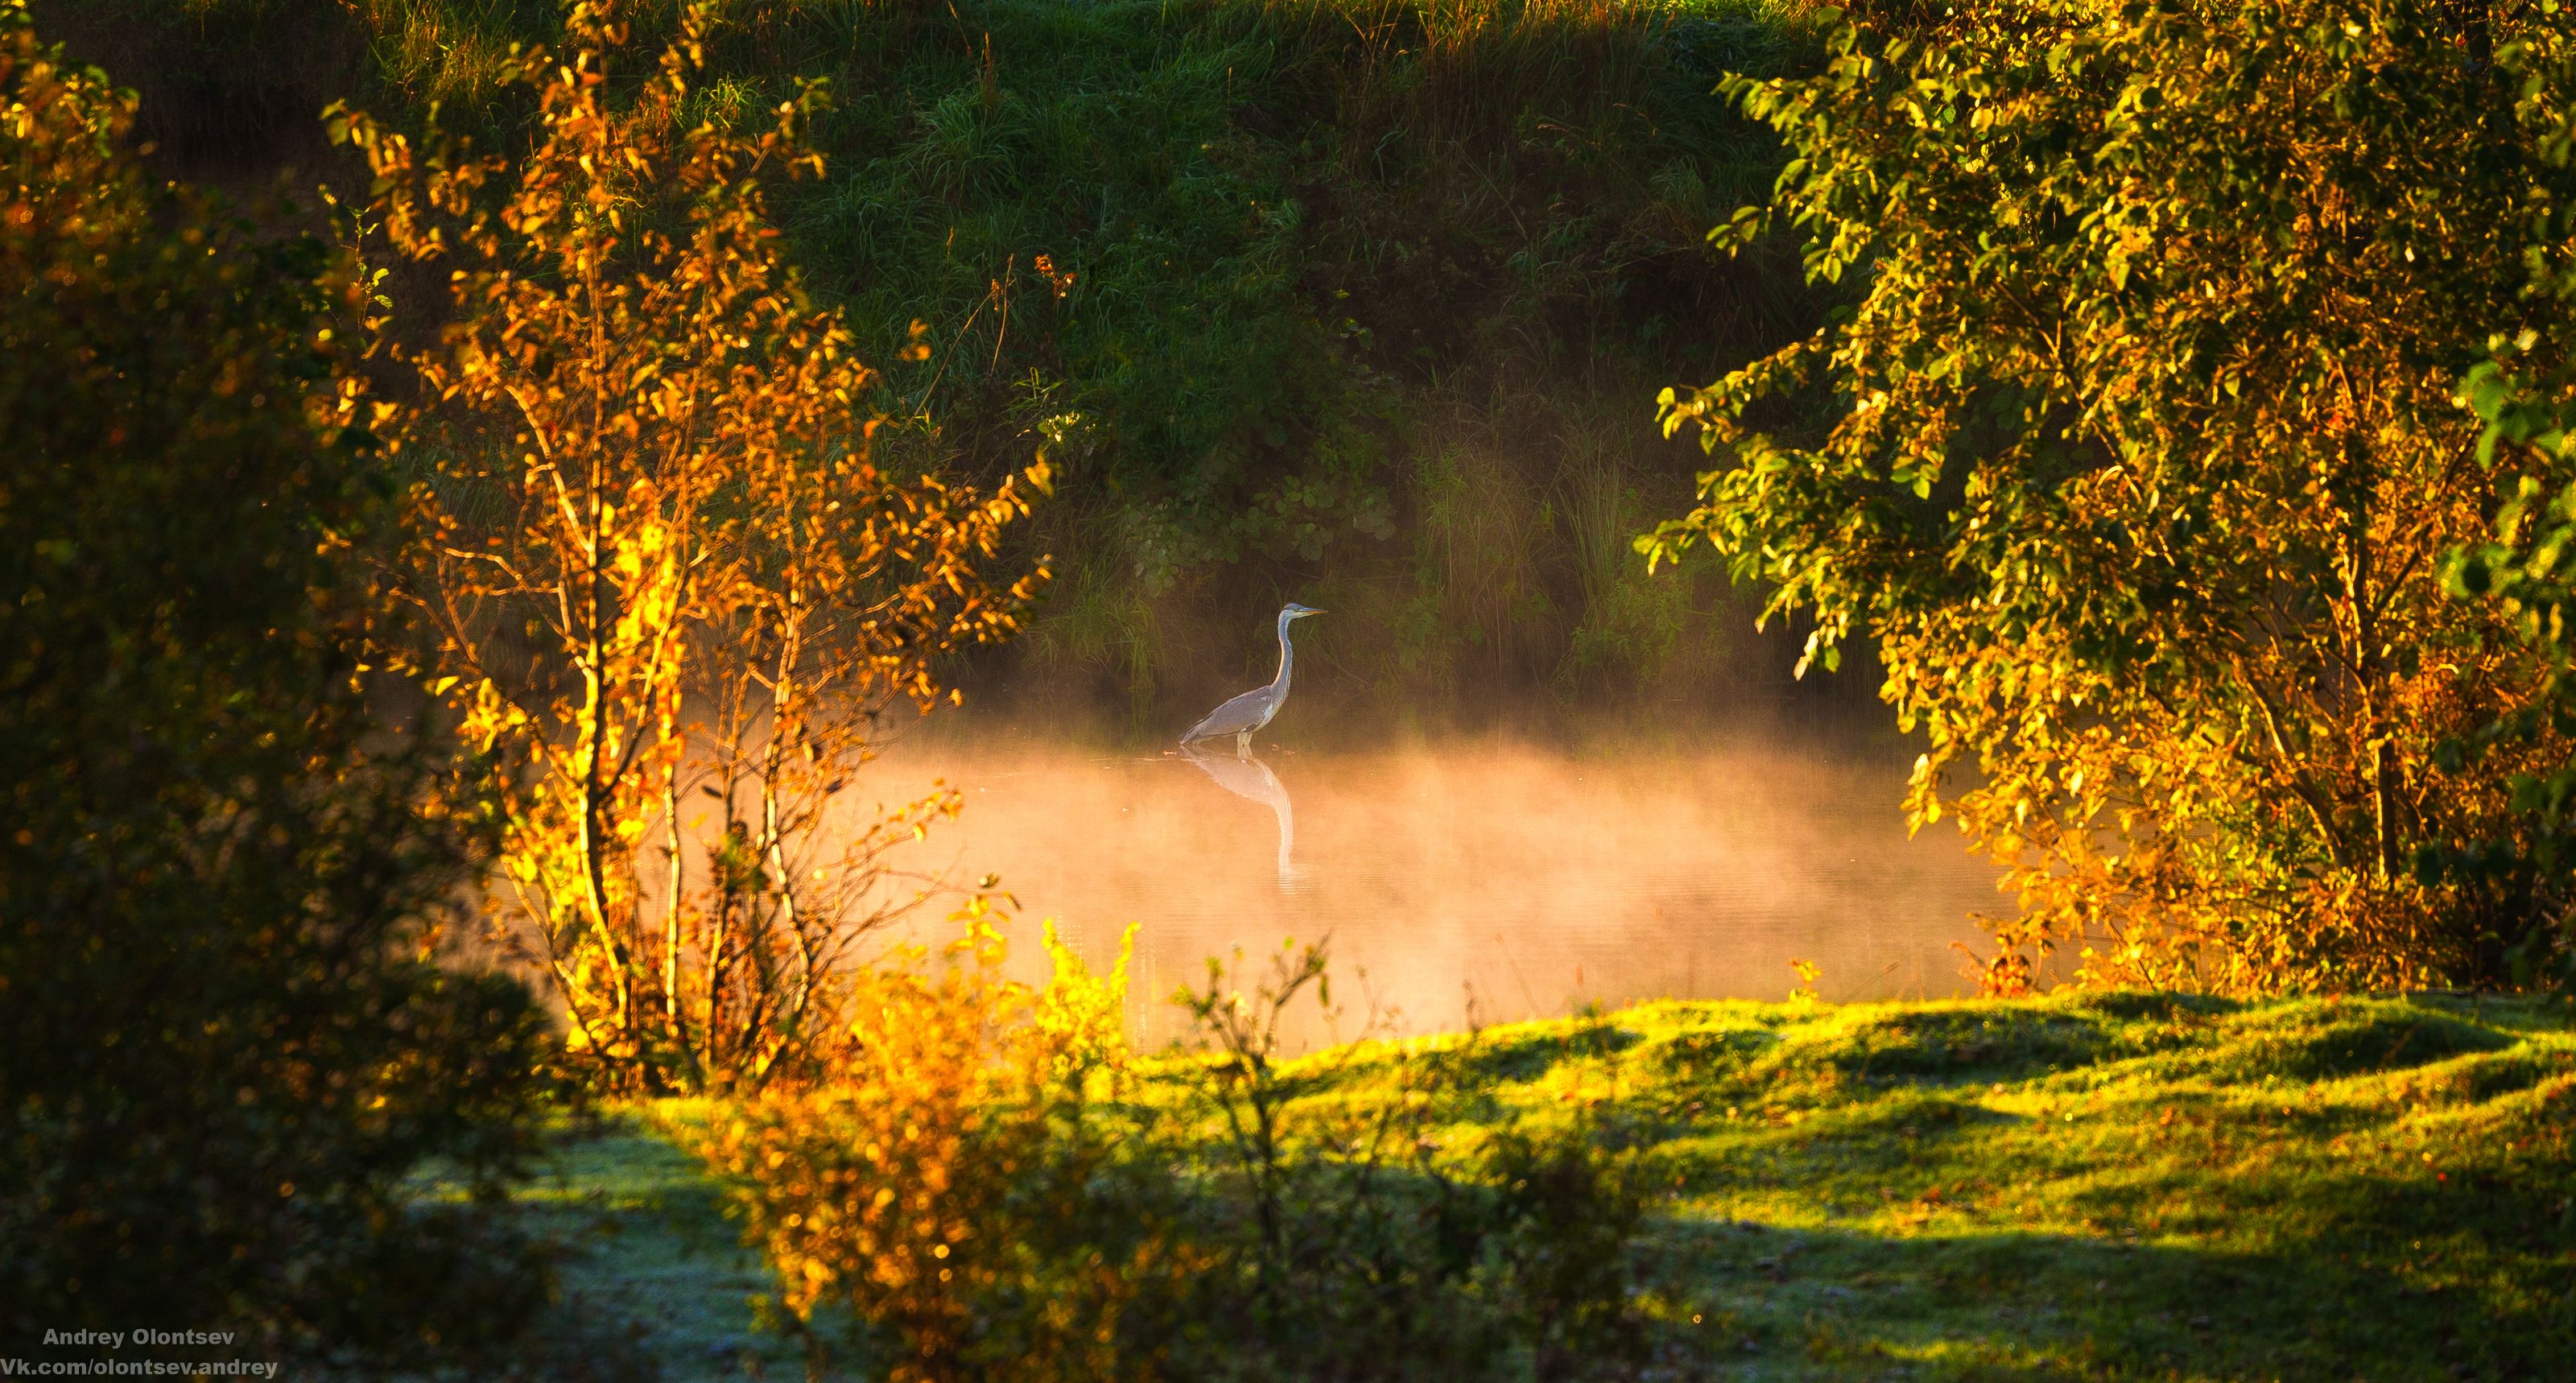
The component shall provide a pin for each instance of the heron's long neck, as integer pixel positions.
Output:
(1287, 658)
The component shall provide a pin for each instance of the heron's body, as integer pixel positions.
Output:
(1244, 714)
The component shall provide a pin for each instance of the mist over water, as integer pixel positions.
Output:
(1483, 880)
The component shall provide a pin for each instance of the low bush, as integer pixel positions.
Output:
(989, 1186)
(946, 1182)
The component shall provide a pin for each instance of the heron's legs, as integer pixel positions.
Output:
(1243, 745)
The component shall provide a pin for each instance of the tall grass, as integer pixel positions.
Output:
(455, 52)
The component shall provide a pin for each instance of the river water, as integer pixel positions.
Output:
(1465, 882)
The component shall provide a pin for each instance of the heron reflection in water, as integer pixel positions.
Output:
(1247, 776)
(1250, 777)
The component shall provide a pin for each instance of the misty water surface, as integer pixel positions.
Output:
(1523, 880)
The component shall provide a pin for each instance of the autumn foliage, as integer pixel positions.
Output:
(946, 1177)
(2137, 451)
(671, 588)
(980, 1182)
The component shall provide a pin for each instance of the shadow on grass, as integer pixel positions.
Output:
(2377, 1189)
(651, 1260)
(2007, 1304)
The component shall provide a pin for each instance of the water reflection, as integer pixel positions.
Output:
(1524, 879)
(1246, 775)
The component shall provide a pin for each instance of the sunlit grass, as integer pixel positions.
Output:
(2310, 1188)
(2120, 1186)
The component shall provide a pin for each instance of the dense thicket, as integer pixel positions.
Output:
(222, 1045)
(2145, 447)
(1348, 299)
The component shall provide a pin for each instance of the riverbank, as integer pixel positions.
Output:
(2113, 1186)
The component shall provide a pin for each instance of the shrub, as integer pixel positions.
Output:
(2523, 570)
(1359, 1243)
(222, 1044)
(661, 564)
(946, 1181)
(993, 1190)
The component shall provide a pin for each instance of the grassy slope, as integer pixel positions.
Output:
(2114, 1186)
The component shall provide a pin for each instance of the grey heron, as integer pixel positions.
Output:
(1252, 710)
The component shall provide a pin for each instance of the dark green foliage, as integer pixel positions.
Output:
(1299, 258)
(223, 1045)
(226, 87)
(1251, 210)
(2526, 568)
(1349, 297)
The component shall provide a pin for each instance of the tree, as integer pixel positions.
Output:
(663, 566)
(222, 1049)
(2136, 451)
(2526, 570)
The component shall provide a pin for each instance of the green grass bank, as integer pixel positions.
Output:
(2105, 1186)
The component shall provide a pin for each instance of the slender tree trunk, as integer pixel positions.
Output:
(594, 849)
(671, 844)
(596, 713)
(727, 895)
(783, 710)
(2369, 673)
